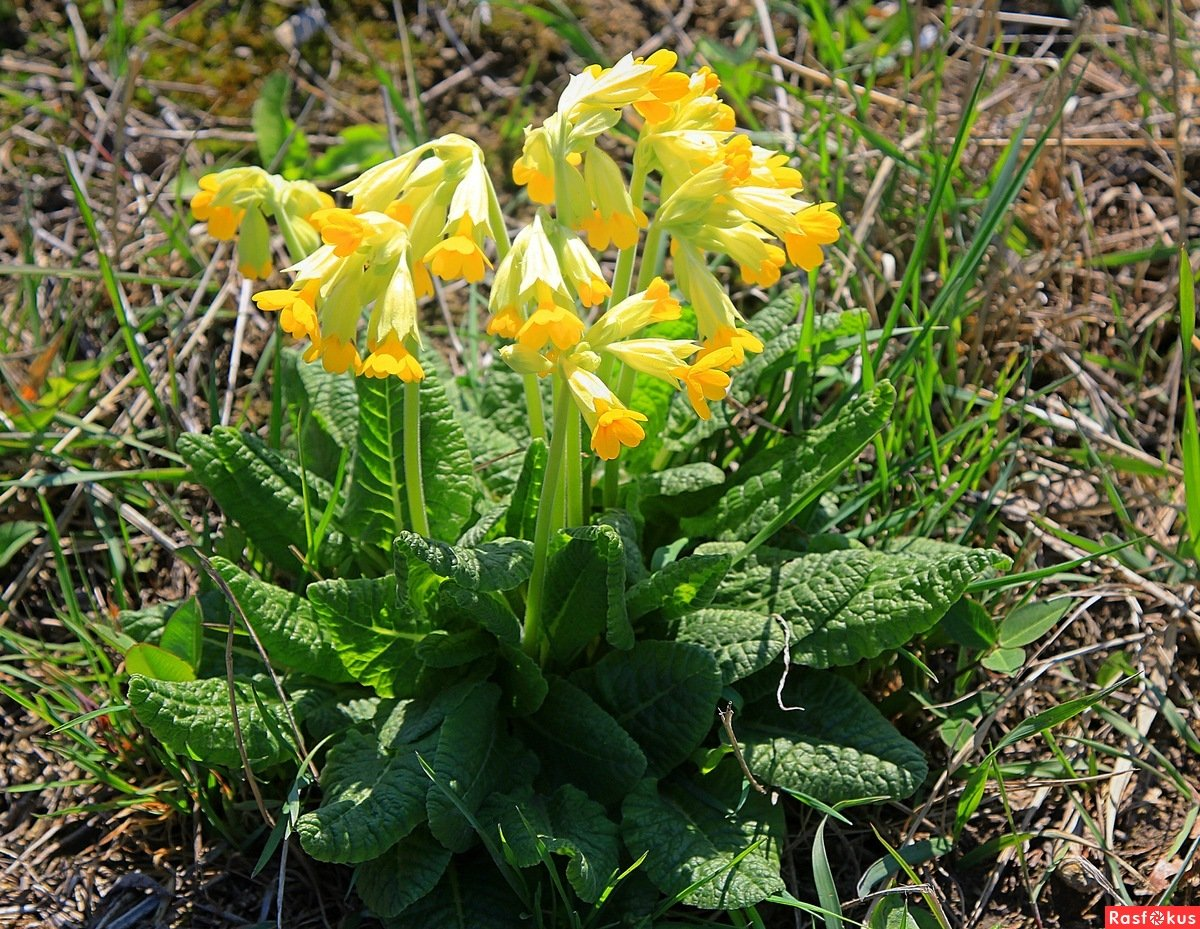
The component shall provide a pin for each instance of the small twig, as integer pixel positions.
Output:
(787, 664)
(726, 714)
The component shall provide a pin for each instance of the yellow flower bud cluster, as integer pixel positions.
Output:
(719, 194)
(236, 203)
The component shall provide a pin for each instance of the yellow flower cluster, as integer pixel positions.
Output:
(719, 194)
(425, 214)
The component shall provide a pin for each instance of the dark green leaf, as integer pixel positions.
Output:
(500, 565)
(579, 743)
(742, 642)
(664, 694)
(403, 874)
(374, 634)
(837, 748)
(285, 625)
(695, 830)
(468, 762)
(372, 799)
(585, 593)
(522, 506)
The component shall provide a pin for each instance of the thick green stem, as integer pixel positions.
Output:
(533, 406)
(551, 484)
(414, 485)
(623, 275)
(574, 468)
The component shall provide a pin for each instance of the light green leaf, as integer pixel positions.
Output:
(157, 663)
(837, 748)
(585, 593)
(968, 624)
(272, 126)
(848, 605)
(741, 641)
(694, 831)
(193, 718)
(468, 761)
(183, 635)
(679, 587)
(898, 912)
(1026, 624)
(579, 743)
(285, 625)
(664, 694)
(778, 483)
(264, 493)
(374, 634)
(377, 504)
(500, 565)
(1004, 660)
(684, 479)
(403, 874)
(372, 799)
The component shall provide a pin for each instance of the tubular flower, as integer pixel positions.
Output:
(458, 256)
(733, 340)
(238, 200)
(582, 271)
(615, 219)
(612, 424)
(637, 311)
(296, 308)
(819, 226)
(550, 323)
(644, 81)
(706, 380)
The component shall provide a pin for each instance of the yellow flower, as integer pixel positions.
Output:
(550, 323)
(614, 219)
(706, 380)
(535, 168)
(582, 271)
(377, 187)
(660, 358)
(392, 359)
(819, 225)
(296, 308)
(733, 340)
(458, 256)
(612, 425)
(223, 221)
(506, 323)
(615, 426)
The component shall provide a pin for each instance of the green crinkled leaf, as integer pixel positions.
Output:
(442, 649)
(849, 605)
(741, 641)
(500, 565)
(696, 829)
(568, 823)
(372, 799)
(521, 515)
(374, 634)
(496, 455)
(623, 523)
(579, 743)
(408, 721)
(471, 895)
(664, 694)
(285, 624)
(585, 593)
(377, 503)
(779, 482)
(522, 681)
(838, 747)
(679, 587)
(193, 718)
(467, 762)
(684, 479)
(459, 608)
(403, 874)
(264, 493)
(331, 400)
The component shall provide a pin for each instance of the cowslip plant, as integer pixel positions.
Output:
(517, 668)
